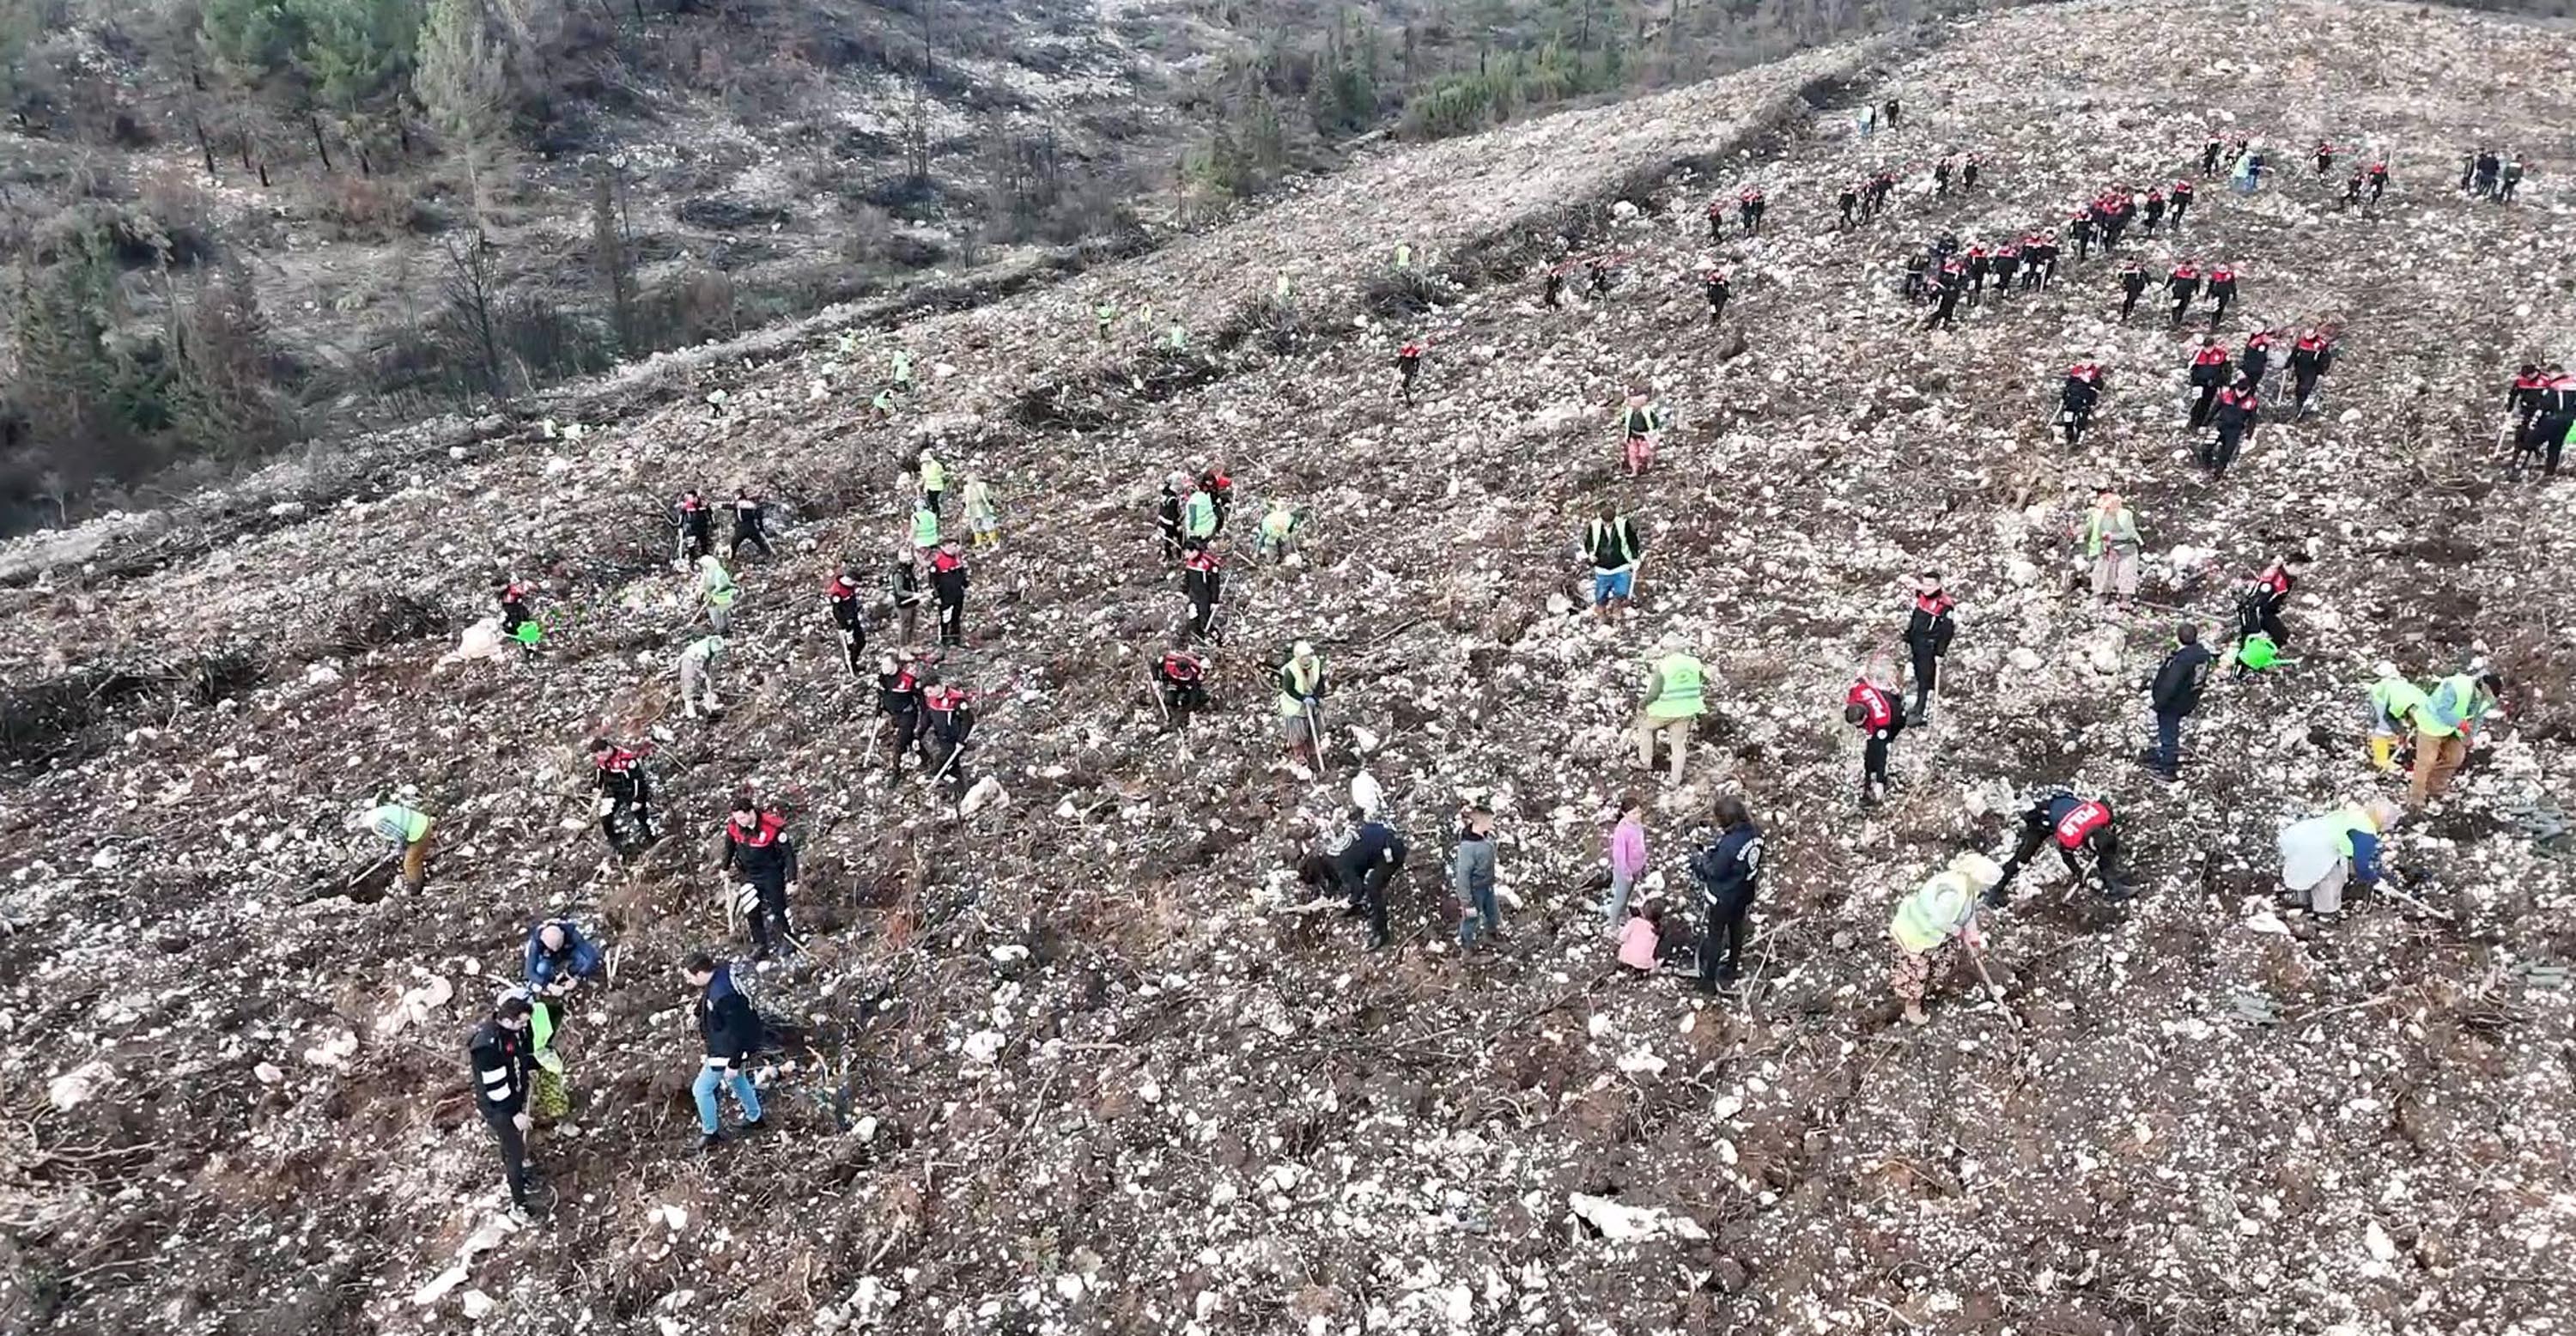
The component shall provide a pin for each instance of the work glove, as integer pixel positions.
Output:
(604, 806)
(521, 1121)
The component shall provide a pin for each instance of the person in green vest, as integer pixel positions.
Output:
(1673, 705)
(1103, 316)
(925, 527)
(1933, 924)
(2111, 543)
(718, 591)
(1301, 695)
(2393, 703)
(903, 370)
(407, 828)
(2443, 726)
(2323, 854)
(1179, 338)
(983, 518)
(934, 479)
(1198, 514)
(883, 404)
(1278, 534)
(1403, 255)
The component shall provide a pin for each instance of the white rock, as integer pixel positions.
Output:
(268, 1073)
(2022, 572)
(983, 1046)
(986, 793)
(477, 1304)
(438, 1286)
(1621, 1223)
(70, 1089)
(2024, 659)
(2377, 1241)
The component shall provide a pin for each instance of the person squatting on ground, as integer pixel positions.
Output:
(625, 804)
(1277, 535)
(2173, 696)
(2258, 611)
(558, 956)
(1933, 924)
(1928, 628)
(504, 1063)
(1627, 859)
(1363, 868)
(2077, 826)
(1729, 874)
(730, 1030)
(1672, 707)
(841, 596)
(2110, 533)
(1471, 877)
(698, 661)
(758, 851)
(1181, 678)
(2323, 854)
(517, 623)
(1611, 542)
(1871, 707)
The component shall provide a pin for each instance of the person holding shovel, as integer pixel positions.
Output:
(1301, 692)
(1934, 924)
(407, 828)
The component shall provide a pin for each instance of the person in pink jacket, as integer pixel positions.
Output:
(1641, 941)
(1627, 859)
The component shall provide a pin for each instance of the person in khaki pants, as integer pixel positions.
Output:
(2442, 725)
(1673, 703)
(407, 828)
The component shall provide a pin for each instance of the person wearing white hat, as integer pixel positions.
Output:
(1933, 923)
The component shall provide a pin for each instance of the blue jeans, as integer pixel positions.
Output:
(1480, 909)
(1607, 585)
(2168, 752)
(710, 1080)
(1614, 907)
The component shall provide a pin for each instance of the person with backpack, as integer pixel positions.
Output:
(730, 1030)
(1729, 873)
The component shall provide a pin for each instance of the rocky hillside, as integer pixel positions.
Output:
(1073, 1061)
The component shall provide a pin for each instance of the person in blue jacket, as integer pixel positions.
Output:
(558, 954)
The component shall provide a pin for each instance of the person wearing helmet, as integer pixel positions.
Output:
(1933, 924)
(2077, 825)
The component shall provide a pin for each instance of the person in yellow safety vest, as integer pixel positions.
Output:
(1933, 923)
(1180, 338)
(1198, 514)
(883, 404)
(1403, 255)
(903, 370)
(1301, 694)
(1278, 531)
(1103, 316)
(549, 1089)
(407, 828)
(2323, 854)
(2442, 727)
(1673, 704)
(717, 589)
(983, 518)
(2393, 703)
(925, 528)
(934, 481)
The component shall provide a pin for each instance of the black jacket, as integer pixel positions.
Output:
(903, 584)
(764, 855)
(1729, 872)
(622, 778)
(502, 1059)
(726, 1021)
(1371, 845)
(1927, 631)
(2177, 685)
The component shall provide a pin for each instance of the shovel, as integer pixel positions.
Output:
(1994, 991)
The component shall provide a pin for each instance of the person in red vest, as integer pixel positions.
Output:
(2378, 179)
(2235, 418)
(1927, 634)
(2077, 825)
(842, 597)
(2153, 211)
(2325, 158)
(2184, 284)
(1979, 264)
(2180, 197)
(2255, 360)
(2209, 376)
(2523, 401)
(757, 849)
(1748, 207)
(1204, 584)
(2222, 290)
(1182, 677)
(2258, 610)
(2076, 398)
(1871, 707)
(2310, 358)
(1408, 364)
(1716, 220)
